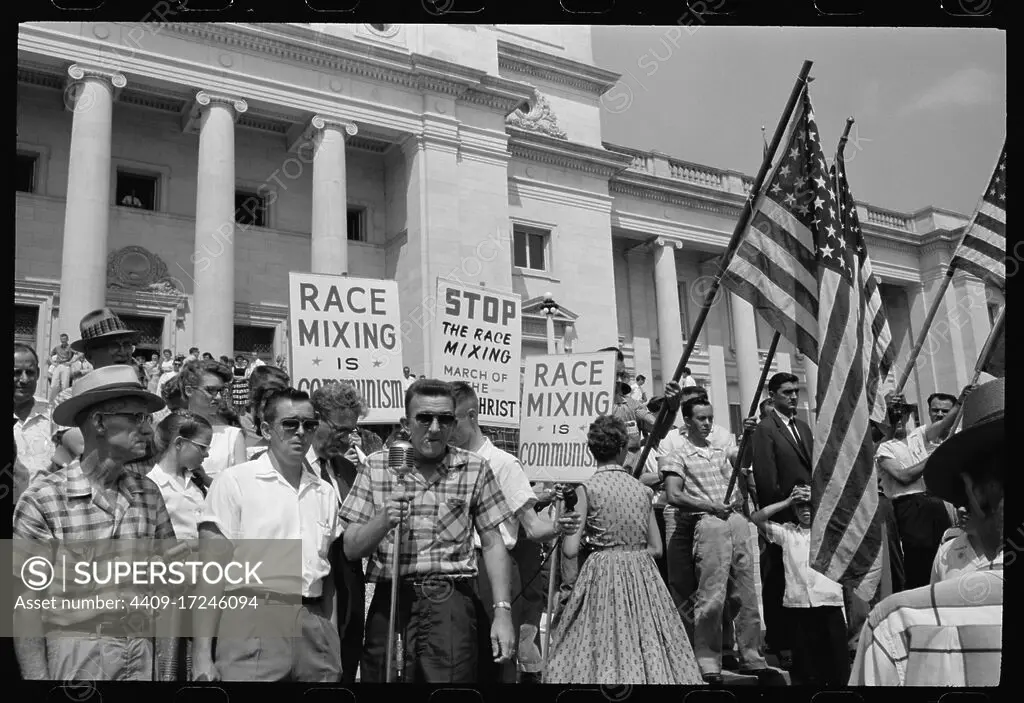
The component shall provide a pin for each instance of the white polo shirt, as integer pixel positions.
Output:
(805, 587)
(515, 486)
(252, 501)
(34, 438)
(184, 500)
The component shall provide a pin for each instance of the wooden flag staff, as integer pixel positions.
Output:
(986, 352)
(664, 413)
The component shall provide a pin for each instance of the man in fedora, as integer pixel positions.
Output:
(106, 339)
(93, 500)
(950, 633)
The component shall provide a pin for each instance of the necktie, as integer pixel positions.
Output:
(796, 434)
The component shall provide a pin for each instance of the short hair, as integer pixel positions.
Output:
(193, 349)
(692, 403)
(338, 395)
(641, 377)
(276, 397)
(941, 396)
(606, 437)
(167, 351)
(776, 381)
(462, 391)
(238, 356)
(686, 370)
(693, 391)
(429, 388)
(619, 356)
(262, 381)
(180, 423)
(27, 348)
(191, 375)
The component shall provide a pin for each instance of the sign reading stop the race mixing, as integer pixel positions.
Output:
(562, 395)
(348, 329)
(478, 337)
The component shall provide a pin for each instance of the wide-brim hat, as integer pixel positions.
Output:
(101, 325)
(107, 383)
(983, 433)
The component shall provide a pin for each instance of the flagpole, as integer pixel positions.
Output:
(986, 352)
(754, 402)
(741, 227)
(939, 295)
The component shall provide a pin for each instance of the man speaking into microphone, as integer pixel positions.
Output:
(438, 500)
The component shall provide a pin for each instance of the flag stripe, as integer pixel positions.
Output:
(982, 250)
(769, 294)
(777, 266)
(752, 291)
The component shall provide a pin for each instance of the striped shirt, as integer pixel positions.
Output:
(705, 470)
(62, 516)
(945, 634)
(463, 494)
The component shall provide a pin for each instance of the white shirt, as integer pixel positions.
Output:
(183, 499)
(252, 501)
(905, 452)
(34, 438)
(515, 486)
(222, 449)
(957, 556)
(805, 587)
(688, 381)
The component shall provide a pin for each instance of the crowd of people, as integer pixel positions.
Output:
(670, 578)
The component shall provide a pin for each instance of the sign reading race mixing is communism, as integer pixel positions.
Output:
(478, 339)
(562, 395)
(346, 328)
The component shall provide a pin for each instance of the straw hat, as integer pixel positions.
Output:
(983, 432)
(116, 381)
(99, 326)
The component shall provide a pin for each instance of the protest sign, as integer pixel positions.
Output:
(562, 395)
(478, 339)
(348, 329)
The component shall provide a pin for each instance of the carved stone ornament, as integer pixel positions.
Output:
(540, 118)
(136, 268)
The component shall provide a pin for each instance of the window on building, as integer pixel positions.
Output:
(25, 173)
(137, 190)
(250, 209)
(150, 333)
(26, 323)
(249, 339)
(357, 224)
(529, 247)
(735, 419)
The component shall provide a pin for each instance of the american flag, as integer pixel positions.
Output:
(855, 357)
(982, 250)
(802, 264)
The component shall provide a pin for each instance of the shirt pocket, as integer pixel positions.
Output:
(453, 520)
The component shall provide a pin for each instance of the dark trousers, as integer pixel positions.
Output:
(438, 622)
(351, 605)
(488, 671)
(773, 589)
(820, 656)
(922, 519)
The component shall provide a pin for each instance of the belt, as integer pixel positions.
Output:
(437, 586)
(135, 624)
(275, 597)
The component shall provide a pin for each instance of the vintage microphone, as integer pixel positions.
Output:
(400, 461)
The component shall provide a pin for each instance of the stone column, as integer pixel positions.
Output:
(666, 286)
(90, 96)
(214, 276)
(748, 361)
(329, 248)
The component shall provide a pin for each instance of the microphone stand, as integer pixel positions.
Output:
(395, 638)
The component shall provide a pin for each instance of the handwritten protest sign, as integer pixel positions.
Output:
(478, 338)
(562, 395)
(348, 329)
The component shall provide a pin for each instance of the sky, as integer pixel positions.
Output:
(929, 103)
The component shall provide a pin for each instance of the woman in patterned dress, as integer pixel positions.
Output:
(619, 625)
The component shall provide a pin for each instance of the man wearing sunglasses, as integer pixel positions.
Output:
(94, 499)
(278, 496)
(450, 492)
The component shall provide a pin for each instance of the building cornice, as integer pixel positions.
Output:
(561, 153)
(559, 194)
(674, 193)
(515, 58)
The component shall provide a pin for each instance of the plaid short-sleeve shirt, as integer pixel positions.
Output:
(62, 514)
(705, 470)
(438, 538)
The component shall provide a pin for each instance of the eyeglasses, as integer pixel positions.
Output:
(338, 429)
(138, 418)
(427, 419)
(291, 424)
(204, 449)
(218, 391)
(113, 347)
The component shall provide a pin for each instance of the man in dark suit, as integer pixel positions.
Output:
(782, 460)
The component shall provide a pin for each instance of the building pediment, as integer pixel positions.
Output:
(136, 268)
(538, 117)
(532, 308)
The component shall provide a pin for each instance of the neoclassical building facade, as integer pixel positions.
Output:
(178, 171)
